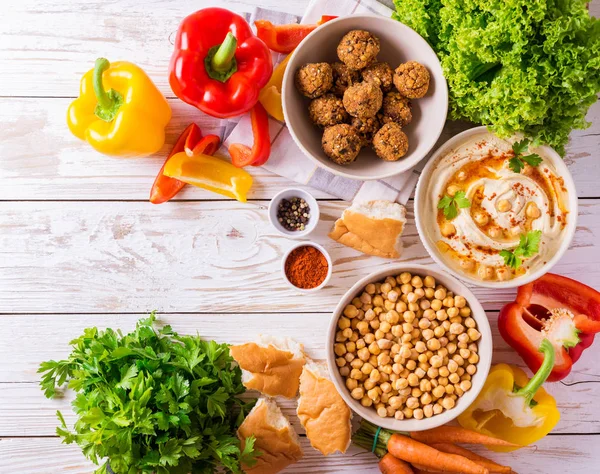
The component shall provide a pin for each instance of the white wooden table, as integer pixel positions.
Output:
(81, 246)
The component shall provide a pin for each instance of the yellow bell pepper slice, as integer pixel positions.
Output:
(270, 95)
(513, 407)
(127, 119)
(211, 173)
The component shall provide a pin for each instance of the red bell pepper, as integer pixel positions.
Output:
(243, 155)
(556, 308)
(192, 142)
(285, 38)
(218, 65)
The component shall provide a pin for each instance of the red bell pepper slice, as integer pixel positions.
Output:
(555, 307)
(285, 38)
(243, 155)
(192, 142)
(219, 65)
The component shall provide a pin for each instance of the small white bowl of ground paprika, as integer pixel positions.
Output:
(306, 267)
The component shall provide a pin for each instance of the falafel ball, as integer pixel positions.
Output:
(412, 80)
(396, 108)
(341, 143)
(358, 49)
(363, 100)
(327, 110)
(314, 79)
(343, 77)
(366, 127)
(381, 74)
(390, 142)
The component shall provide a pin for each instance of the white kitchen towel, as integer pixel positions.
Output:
(287, 159)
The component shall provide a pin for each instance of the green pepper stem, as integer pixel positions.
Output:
(103, 98)
(529, 390)
(222, 59)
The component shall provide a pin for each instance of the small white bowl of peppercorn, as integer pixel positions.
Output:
(294, 213)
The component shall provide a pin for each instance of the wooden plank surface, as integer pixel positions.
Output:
(47, 455)
(65, 266)
(65, 168)
(195, 257)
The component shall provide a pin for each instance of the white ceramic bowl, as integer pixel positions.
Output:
(288, 194)
(327, 257)
(399, 44)
(423, 218)
(484, 350)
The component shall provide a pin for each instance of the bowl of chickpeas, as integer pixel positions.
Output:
(409, 347)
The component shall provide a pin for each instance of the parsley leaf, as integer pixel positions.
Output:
(152, 401)
(451, 204)
(517, 163)
(529, 245)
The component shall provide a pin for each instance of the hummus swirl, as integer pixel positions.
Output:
(503, 206)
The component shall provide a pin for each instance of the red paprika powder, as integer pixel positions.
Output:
(306, 267)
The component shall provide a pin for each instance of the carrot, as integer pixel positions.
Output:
(391, 465)
(456, 434)
(420, 470)
(413, 451)
(488, 463)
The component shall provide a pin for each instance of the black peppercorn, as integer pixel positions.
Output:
(293, 214)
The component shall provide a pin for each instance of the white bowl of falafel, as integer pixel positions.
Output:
(365, 97)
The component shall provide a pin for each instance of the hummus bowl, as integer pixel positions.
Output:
(496, 210)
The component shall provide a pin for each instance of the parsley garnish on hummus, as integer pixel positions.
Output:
(529, 245)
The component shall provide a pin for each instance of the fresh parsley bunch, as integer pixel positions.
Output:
(152, 401)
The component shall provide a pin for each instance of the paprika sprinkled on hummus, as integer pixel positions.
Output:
(306, 267)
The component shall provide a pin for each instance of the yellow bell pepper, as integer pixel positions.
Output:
(512, 407)
(270, 95)
(211, 173)
(128, 119)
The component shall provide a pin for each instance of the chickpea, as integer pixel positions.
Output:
(451, 348)
(447, 229)
(399, 415)
(383, 359)
(401, 307)
(465, 312)
(374, 348)
(532, 210)
(453, 313)
(367, 368)
(420, 347)
(412, 402)
(386, 288)
(386, 387)
(439, 391)
(362, 327)
(351, 384)
(405, 351)
(424, 323)
(356, 374)
(448, 403)
(439, 332)
(382, 412)
(484, 272)
(503, 205)
(481, 218)
(423, 360)
(356, 364)
(385, 344)
(347, 332)
(407, 327)
(366, 401)
(471, 369)
(369, 384)
(376, 375)
(448, 302)
(408, 412)
(406, 289)
(449, 389)
(444, 372)
(441, 315)
(345, 371)
(426, 399)
(474, 334)
(343, 323)
(473, 359)
(456, 328)
(454, 378)
(340, 362)
(392, 317)
(452, 366)
(418, 414)
(437, 409)
(436, 361)
(413, 380)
